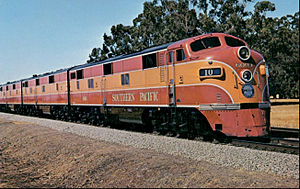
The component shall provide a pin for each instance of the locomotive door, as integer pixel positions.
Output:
(35, 95)
(102, 89)
(163, 71)
(170, 80)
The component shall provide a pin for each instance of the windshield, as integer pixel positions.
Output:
(233, 42)
(205, 43)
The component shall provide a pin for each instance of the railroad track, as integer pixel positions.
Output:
(284, 132)
(285, 141)
(282, 145)
(290, 144)
(282, 140)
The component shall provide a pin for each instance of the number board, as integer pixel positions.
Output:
(210, 72)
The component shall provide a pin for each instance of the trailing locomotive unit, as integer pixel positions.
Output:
(206, 84)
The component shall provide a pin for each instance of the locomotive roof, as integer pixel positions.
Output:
(149, 50)
(9, 83)
(146, 51)
(46, 74)
(36, 76)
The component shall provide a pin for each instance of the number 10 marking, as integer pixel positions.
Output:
(209, 72)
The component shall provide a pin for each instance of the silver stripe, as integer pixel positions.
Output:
(203, 107)
(262, 95)
(220, 107)
(264, 105)
(262, 61)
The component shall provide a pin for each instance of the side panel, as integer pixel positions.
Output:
(29, 92)
(53, 93)
(132, 64)
(13, 95)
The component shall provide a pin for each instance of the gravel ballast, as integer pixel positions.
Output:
(224, 155)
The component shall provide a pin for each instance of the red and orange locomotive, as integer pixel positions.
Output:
(206, 84)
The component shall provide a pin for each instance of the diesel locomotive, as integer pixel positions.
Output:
(199, 86)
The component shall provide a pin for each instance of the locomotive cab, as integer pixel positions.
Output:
(226, 81)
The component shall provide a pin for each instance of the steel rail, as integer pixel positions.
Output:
(284, 132)
(283, 148)
(269, 143)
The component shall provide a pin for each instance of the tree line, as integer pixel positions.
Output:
(164, 21)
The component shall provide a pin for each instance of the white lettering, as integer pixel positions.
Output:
(149, 96)
(126, 97)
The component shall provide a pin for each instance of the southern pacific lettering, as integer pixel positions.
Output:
(126, 97)
(149, 96)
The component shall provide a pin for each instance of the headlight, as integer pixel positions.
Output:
(244, 53)
(248, 90)
(247, 75)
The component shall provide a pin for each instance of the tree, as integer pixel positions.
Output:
(148, 26)
(278, 40)
(94, 56)
(164, 21)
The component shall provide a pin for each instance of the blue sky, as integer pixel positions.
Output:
(37, 36)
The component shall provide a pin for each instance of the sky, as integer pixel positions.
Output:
(38, 36)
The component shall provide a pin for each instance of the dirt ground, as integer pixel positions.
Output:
(35, 156)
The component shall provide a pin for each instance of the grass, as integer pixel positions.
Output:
(285, 116)
(284, 100)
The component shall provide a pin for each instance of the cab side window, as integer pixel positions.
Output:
(171, 56)
(180, 56)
